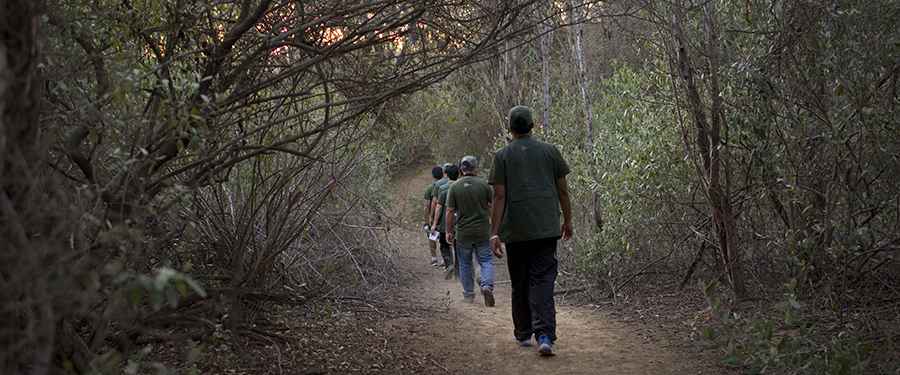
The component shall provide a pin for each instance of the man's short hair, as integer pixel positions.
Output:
(437, 172)
(452, 172)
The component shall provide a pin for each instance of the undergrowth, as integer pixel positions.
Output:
(788, 346)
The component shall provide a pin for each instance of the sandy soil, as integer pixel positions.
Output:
(470, 338)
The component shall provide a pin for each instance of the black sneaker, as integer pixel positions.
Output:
(488, 297)
(434, 263)
(448, 273)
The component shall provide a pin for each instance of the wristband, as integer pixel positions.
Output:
(493, 237)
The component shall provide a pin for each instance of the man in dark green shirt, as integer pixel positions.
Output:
(529, 179)
(470, 198)
(435, 194)
(452, 172)
(437, 173)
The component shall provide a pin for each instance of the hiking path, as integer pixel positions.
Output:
(470, 338)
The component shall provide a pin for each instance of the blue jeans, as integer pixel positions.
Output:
(485, 257)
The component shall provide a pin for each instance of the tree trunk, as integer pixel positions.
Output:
(586, 103)
(502, 104)
(29, 319)
(708, 141)
(578, 48)
(541, 21)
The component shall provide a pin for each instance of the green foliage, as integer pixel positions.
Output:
(166, 287)
(789, 346)
(632, 165)
(447, 300)
(808, 147)
(453, 120)
(798, 113)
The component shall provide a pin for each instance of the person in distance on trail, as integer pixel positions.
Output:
(437, 173)
(435, 194)
(529, 179)
(470, 197)
(452, 172)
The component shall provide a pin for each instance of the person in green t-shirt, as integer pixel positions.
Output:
(437, 173)
(529, 179)
(435, 194)
(470, 198)
(452, 172)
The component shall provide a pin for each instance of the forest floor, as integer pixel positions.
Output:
(426, 327)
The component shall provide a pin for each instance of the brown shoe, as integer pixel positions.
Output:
(488, 297)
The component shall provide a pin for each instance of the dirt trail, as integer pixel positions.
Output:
(469, 338)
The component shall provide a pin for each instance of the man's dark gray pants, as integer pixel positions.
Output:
(532, 271)
(449, 255)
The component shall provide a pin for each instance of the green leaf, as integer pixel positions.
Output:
(194, 145)
(761, 344)
(193, 354)
(731, 361)
(180, 287)
(782, 344)
(172, 296)
(135, 294)
(195, 286)
(156, 298)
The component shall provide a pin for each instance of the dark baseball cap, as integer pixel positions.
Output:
(468, 162)
(520, 119)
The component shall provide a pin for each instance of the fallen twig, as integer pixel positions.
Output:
(439, 365)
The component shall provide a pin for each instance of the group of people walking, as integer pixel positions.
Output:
(519, 205)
